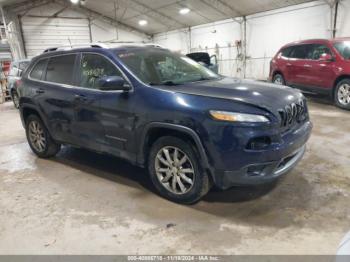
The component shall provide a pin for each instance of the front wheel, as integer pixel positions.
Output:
(176, 172)
(278, 79)
(342, 94)
(39, 138)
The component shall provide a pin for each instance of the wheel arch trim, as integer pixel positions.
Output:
(24, 106)
(183, 129)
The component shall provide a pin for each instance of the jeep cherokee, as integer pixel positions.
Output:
(191, 127)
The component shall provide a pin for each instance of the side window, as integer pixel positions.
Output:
(38, 70)
(318, 50)
(60, 69)
(286, 52)
(93, 67)
(301, 51)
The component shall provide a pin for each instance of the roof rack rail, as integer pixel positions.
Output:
(144, 43)
(68, 47)
(99, 45)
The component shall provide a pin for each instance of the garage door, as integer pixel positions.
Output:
(42, 33)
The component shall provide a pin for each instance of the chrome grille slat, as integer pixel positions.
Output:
(293, 113)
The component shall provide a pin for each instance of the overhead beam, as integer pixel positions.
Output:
(26, 6)
(143, 9)
(60, 11)
(30, 4)
(96, 15)
(222, 7)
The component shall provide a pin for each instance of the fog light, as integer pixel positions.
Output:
(259, 143)
(256, 170)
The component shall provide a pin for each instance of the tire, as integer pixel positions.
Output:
(342, 94)
(200, 180)
(15, 99)
(48, 147)
(278, 79)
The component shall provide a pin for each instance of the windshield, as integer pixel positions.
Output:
(343, 48)
(162, 67)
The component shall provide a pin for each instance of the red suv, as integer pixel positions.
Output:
(317, 66)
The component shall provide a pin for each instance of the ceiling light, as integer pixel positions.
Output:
(184, 11)
(74, 1)
(143, 22)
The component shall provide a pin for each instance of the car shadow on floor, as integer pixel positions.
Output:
(121, 171)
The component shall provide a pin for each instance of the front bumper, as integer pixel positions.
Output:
(259, 167)
(261, 173)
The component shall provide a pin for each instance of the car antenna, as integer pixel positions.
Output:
(70, 43)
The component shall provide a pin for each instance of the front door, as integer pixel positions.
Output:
(320, 73)
(111, 125)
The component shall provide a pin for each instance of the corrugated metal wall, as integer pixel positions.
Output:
(41, 33)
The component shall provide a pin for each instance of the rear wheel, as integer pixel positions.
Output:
(15, 99)
(176, 172)
(342, 94)
(278, 79)
(39, 138)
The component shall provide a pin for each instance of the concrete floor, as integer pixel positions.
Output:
(84, 203)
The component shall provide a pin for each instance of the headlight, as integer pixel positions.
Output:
(238, 117)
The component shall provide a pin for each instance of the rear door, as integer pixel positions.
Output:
(56, 92)
(298, 65)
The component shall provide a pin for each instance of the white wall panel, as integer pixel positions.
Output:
(42, 33)
(266, 33)
(102, 32)
(178, 40)
(343, 23)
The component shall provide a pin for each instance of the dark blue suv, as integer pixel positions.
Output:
(191, 127)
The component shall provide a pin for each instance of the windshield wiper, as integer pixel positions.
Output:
(206, 79)
(166, 83)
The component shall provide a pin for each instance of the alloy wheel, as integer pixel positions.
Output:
(36, 136)
(344, 94)
(174, 170)
(278, 81)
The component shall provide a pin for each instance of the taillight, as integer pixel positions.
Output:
(18, 82)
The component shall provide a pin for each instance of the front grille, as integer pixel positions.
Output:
(293, 113)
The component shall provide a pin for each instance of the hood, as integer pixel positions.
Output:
(259, 94)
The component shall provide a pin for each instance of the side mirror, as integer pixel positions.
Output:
(20, 72)
(326, 58)
(113, 83)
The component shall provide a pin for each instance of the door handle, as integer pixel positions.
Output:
(307, 65)
(80, 98)
(40, 91)
(288, 64)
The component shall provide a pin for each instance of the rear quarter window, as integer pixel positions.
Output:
(285, 52)
(38, 69)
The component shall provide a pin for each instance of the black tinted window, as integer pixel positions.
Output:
(38, 69)
(301, 51)
(286, 51)
(317, 50)
(60, 69)
(200, 57)
(93, 67)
